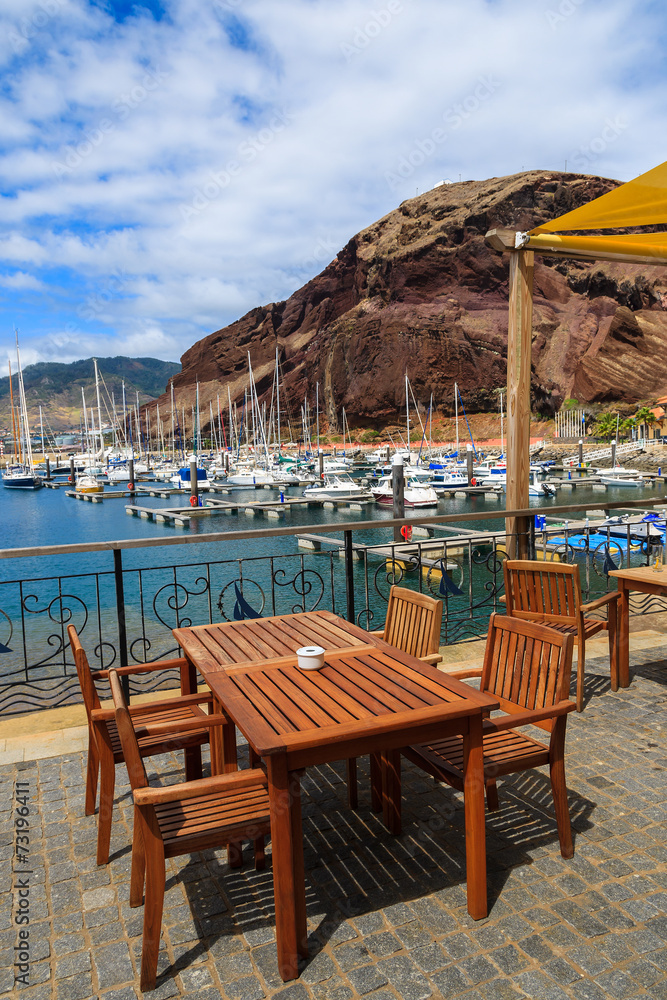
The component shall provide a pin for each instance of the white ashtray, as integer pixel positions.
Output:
(310, 657)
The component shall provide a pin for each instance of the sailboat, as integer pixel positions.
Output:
(21, 475)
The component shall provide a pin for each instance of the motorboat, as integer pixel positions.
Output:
(415, 494)
(625, 481)
(182, 478)
(88, 482)
(535, 489)
(337, 488)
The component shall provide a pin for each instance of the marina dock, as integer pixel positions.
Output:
(276, 509)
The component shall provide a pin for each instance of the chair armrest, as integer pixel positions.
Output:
(527, 718)
(465, 672)
(614, 595)
(432, 658)
(180, 725)
(144, 668)
(182, 701)
(230, 782)
(502, 599)
(379, 634)
(102, 715)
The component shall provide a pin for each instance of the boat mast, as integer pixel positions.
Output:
(11, 401)
(99, 409)
(41, 431)
(23, 407)
(278, 398)
(456, 413)
(407, 412)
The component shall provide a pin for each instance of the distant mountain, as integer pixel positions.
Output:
(57, 387)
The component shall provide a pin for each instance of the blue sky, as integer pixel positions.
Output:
(167, 166)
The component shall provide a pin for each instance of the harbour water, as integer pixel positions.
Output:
(168, 586)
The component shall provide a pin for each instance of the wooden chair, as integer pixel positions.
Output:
(191, 816)
(412, 625)
(104, 747)
(527, 668)
(550, 593)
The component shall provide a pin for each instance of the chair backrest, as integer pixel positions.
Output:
(526, 666)
(128, 738)
(413, 622)
(88, 691)
(544, 591)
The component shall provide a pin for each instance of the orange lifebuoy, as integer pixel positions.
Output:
(194, 501)
(69, 479)
(473, 481)
(406, 532)
(130, 486)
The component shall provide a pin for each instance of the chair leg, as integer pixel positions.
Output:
(260, 859)
(612, 625)
(138, 872)
(155, 879)
(581, 663)
(107, 786)
(235, 854)
(491, 794)
(376, 783)
(559, 790)
(193, 766)
(92, 772)
(352, 786)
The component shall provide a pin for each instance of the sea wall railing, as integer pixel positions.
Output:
(125, 614)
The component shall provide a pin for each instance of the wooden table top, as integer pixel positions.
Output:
(224, 643)
(365, 692)
(642, 574)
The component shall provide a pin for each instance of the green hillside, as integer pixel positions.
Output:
(57, 387)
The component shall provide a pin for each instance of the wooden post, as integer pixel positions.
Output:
(398, 490)
(194, 485)
(518, 397)
(469, 458)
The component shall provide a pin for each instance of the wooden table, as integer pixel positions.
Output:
(368, 698)
(647, 581)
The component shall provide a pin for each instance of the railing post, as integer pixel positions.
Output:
(120, 609)
(349, 575)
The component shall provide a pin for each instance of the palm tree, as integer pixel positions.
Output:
(605, 425)
(628, 426)
(645, 417)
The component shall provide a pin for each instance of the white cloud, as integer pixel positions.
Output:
(163, 177)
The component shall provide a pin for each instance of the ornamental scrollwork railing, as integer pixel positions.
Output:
(465, 572)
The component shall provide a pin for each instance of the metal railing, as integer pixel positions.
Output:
(126, 614)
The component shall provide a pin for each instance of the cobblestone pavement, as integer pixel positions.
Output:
(387, 916)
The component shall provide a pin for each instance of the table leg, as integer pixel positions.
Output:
(624, 636)
(376, 782)
(288, 871)
(391, 790)
(473, 789)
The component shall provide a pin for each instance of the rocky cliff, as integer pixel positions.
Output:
(420, 292)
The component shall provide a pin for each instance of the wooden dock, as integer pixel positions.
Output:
(276, 509)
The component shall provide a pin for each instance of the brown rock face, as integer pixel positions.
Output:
(419, 292)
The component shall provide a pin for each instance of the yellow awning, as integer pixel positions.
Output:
(643, 248)
(640, 202)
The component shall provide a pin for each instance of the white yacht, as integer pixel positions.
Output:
(337, 488)
(416, 494)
